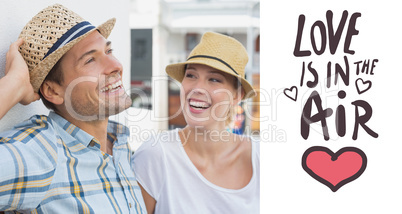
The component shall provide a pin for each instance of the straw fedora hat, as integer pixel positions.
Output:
(50, 34)
(220, 52)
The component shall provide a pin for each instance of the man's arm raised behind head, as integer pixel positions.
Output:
(15, 86)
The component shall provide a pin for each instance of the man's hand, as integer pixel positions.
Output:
(15, 85)
(17, 72)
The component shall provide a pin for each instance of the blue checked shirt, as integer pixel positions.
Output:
(48, 165)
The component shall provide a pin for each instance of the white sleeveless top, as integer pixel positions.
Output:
(165, 171)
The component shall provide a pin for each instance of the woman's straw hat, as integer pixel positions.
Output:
(220, 52)
(50, 34)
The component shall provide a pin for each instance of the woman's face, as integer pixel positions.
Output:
(207, 95)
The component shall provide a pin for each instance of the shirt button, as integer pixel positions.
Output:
(129, 204)
(92, 144)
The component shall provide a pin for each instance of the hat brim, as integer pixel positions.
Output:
(177, 70)
(39, 73)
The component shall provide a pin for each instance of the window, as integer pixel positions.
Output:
(141, 68)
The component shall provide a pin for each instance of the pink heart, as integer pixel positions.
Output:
(334, 169)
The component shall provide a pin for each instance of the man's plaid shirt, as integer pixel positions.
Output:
(48, 165)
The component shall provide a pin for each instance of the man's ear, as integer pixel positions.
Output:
(52, 92)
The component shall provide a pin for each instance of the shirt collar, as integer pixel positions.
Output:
(115, 131)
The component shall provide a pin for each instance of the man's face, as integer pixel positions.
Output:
(92, 80)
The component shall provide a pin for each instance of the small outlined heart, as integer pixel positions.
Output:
(291, 93)
(334, 169)
(362, 86)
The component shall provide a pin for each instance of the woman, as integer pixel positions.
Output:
(204, 168)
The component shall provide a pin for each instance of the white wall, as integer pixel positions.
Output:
(15, 14)
(176, 47)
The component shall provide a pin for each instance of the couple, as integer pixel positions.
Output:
(77, 161)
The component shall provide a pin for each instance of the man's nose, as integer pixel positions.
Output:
(112, 65)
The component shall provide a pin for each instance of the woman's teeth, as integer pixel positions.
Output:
(201, 105)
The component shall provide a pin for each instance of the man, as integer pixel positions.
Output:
(74, 160)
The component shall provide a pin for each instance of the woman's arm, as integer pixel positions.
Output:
(149, 201)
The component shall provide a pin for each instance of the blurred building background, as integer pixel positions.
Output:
(164, 32)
